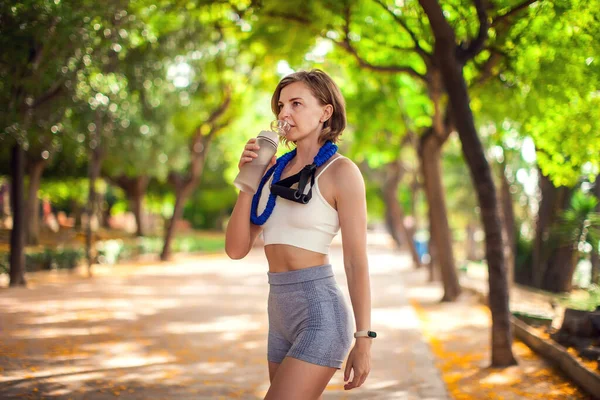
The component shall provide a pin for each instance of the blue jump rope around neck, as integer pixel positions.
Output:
(283, 188)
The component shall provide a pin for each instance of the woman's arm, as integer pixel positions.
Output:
(241, 233)
(352, 211)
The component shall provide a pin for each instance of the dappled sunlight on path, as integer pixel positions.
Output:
(195, 328)
(459, 335)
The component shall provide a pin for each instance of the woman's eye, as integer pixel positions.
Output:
(296, 103)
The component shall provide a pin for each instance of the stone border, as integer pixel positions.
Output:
(585, 378)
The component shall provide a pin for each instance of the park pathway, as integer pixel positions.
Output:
(192, 329)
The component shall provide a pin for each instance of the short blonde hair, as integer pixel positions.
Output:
(326, 91)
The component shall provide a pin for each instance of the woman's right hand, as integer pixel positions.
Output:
(249, 154)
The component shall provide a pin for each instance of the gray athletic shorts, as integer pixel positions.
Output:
(308, 317)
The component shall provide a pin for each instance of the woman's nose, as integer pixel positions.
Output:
(284, 112)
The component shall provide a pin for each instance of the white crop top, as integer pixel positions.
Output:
(310, 226)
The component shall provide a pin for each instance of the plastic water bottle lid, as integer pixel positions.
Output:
(272, 136)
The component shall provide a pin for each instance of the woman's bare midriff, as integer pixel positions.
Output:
(283, 258)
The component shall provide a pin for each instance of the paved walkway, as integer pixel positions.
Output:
(192, 330)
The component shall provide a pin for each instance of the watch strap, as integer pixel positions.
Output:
(369, 334)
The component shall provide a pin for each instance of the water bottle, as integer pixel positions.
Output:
(252, 172)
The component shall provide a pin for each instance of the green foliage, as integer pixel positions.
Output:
(523, 258)
(46, 45)
(462, 198)
(580, 223)
(111, 252)
(588, 300)
(548, 88)
(47, 259)
(63, 193)
(209, 208)
(118, 250)
(212, 202)
(139, 78)
(381, 111)
(375, 204)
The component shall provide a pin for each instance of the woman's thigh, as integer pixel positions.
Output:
(298, 380)
(273, 366)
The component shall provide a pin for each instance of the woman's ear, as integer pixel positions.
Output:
(327, 112)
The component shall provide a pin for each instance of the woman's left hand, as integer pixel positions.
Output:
(359, 361)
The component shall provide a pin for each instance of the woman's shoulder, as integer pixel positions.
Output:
(344, 169)
(343, 165)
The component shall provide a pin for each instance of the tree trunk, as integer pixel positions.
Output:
(95, 164)
(435, 266)
(595, 258)
(559, 259)
(561, 266)
(595, 267)
(544, 221)
(4, 203)
(394, 212)
(135, 202)
(508, 224)
(185, 185)
(135, 189)
(99, 209)
(393, 175)
(77, 212)
(17, 201)
(36, 168)
(106, 213)
(182, 192)
(391, 222)
(554, 199)
(441, 236)
(445, 54)
(471, 243)
(139, 186)
(414, 193)
(415, 186)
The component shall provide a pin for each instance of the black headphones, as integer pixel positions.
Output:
(283, 188)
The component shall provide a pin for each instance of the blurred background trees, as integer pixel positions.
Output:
(127, 119)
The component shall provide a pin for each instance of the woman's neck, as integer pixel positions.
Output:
(306, 151)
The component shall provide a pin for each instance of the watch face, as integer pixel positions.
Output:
(372, 334)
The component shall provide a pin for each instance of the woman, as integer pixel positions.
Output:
(310, 329)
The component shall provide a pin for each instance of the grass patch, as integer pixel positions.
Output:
(113, 251)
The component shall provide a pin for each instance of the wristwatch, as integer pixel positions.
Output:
(369, 334)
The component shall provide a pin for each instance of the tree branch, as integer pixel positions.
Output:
(476, 45)
(289, 17)
(448, 124)
(417, 48)
(504, 17)
(222, 108)
(486, 69)
(394, 47)
(345, 44)
(216, 128)
(199, 142)
(54, 91)
(442, 31)
(41, 51)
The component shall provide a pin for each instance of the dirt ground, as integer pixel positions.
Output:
(459, 336)
(195, 330)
